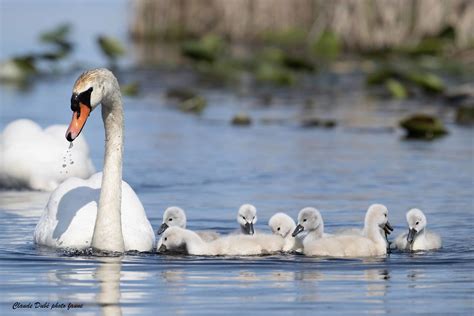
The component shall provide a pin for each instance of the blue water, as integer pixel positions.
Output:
(209, 168)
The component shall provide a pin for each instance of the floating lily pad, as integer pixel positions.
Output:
(396, 89)
(465, 115)
(275, 74)
(194, 105)
(318, 122)
(130, 89)
(57, 35)
(427, 81)
(206, 49)
(423, 126)
(181, 93)
(111, 47)
(241, 119)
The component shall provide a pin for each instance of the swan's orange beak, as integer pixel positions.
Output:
(78, 121)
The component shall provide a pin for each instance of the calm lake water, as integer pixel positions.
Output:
(210, 168)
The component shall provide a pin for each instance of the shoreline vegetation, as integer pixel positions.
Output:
(359, 24)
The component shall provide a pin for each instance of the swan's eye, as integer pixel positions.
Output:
(417, 223)
(244, 218)
(304, 220)
(253, 217)
(166, 238)
(278, 228)
(170, 220)
(385, 215)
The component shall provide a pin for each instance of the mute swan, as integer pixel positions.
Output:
(283, 225)
(175, 216)
(34, 158)
(310, 225)
(247, 218)
(418, 237)
(372, 243)
(175, 238)
(102, 212)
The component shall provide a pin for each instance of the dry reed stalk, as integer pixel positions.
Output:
(361, 24)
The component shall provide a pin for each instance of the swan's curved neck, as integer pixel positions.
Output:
(108, 226)
(374, 232)
(318, 231)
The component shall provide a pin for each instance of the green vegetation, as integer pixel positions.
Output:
(207, 49)
(327, 47)
(131, 89)
(423, 126)
(241, 119)
(194, 105)
(112, 48)
(465, 115)
(311, 122)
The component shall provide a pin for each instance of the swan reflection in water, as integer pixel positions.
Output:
(305, 285)
(108, 275)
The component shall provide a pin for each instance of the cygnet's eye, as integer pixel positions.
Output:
(166, 238)
(170, 219)
(417, 223)
(385, 215)
(304, 220)
(253, 217)
(244, 218)
(278, 228)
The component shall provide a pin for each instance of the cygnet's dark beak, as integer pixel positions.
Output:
(162, 249)
(162, 228)
(298, 229)
(387, 228)
(411, 235)
(248, 227)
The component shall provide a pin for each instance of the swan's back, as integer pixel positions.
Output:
(34, 158)
(69, 217)
(208, 235)
(342, 246)
(245, 245)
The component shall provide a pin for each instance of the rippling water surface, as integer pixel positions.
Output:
(209, 168)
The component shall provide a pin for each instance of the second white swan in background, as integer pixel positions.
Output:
(39, 159)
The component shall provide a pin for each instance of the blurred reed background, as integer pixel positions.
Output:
(360, 24)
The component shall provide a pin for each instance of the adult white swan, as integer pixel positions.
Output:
(102, 212)
(38, 159)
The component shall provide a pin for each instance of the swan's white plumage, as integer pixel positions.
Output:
(69, 217)
(176, 216)
(33, 158)
(103, 211)
(283, 225)
(423, 238)
(371, 244)
(232, 245)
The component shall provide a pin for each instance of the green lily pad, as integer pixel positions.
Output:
(423, 126)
